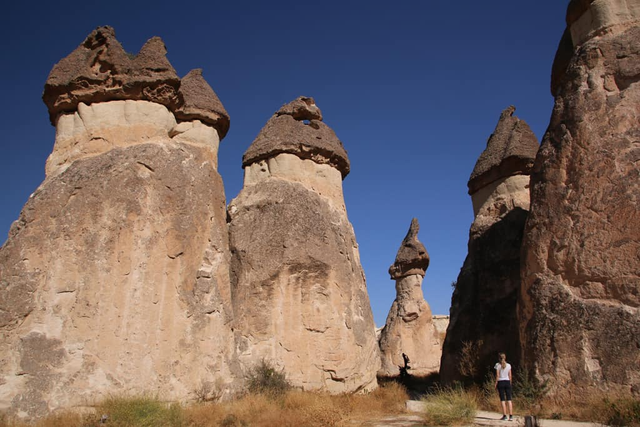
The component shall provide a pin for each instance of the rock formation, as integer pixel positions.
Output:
(483, 306)
(115, 277)
(579, 308)
(298, 288)
(409, 328)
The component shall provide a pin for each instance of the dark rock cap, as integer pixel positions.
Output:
(199, 101)
(511, 150)
(412, 257)
(297, 128)
(100, 70)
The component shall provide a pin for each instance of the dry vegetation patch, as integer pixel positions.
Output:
(287, 409)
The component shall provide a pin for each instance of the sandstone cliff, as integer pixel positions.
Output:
(579, 306)
(115, 277)
(409, 328)
(483, 305)
(298, 288)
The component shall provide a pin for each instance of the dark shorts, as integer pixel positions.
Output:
(504, 388)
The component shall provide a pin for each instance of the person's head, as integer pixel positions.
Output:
(503, 360)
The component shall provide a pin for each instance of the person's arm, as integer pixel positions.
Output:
(497, 376)
(510, 376)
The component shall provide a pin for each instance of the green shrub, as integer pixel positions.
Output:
(528, 390)
(140, 411)
(450, 407)
(264, 378)
(621, 412)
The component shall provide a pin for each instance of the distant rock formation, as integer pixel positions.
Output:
(409, 328)
(483, 305)
(115, 278)
(298, 288)
(579, 308)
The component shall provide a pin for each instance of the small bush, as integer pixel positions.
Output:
(528, 391)
(450, 407)
(469, 356)
(620, 412)
(140, 411)
(209, 391)
(264, 378)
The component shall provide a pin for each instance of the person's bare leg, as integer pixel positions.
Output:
(510, 407)
(504, 407)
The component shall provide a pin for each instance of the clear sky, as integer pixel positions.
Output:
(412, 88)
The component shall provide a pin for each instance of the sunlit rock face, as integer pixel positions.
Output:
(579, 306)
(483, 305)
(409, 328)
(298, 288)
(115, 278)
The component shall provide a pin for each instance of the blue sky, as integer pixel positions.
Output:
(412, 88)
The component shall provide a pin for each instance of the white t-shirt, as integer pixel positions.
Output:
(503, 374)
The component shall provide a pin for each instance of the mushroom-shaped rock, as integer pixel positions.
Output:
(198, 101)
(511, 150)
(100, 70)
(297, 128)
(412, 257)
(298, 287)
(409, 330)
(490, 277)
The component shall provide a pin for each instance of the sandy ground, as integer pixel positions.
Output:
(483, 418)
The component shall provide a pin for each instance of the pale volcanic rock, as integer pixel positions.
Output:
(298, 289)
(483, 305)
(115, 278)
(580, 300)
(409, 328)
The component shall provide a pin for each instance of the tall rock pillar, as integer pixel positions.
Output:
(115, 277)
(409, 328)
(298, 288)
(579, 308)
(483, 306)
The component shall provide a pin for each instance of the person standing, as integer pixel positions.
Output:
(503, 385)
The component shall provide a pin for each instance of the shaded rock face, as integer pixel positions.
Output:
(115, 278)
(298, 289)
(579, 306)
(483, 305)
(409, 328)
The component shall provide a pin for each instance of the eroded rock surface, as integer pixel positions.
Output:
(115, 278)
(409, 328)
(298, 288)
(483, 305)
(100, 70)
(579, 306)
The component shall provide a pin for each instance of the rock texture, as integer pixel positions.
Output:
(298, 288)
(483, 305)
(100, 70)
(579, 306)
(410, 328)
(115, 278)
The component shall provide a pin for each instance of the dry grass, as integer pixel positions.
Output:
(610, 408)
(450, 407)
(297, 408)
(63, 419)
(288, 409)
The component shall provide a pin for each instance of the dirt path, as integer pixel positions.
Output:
(483, 418)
